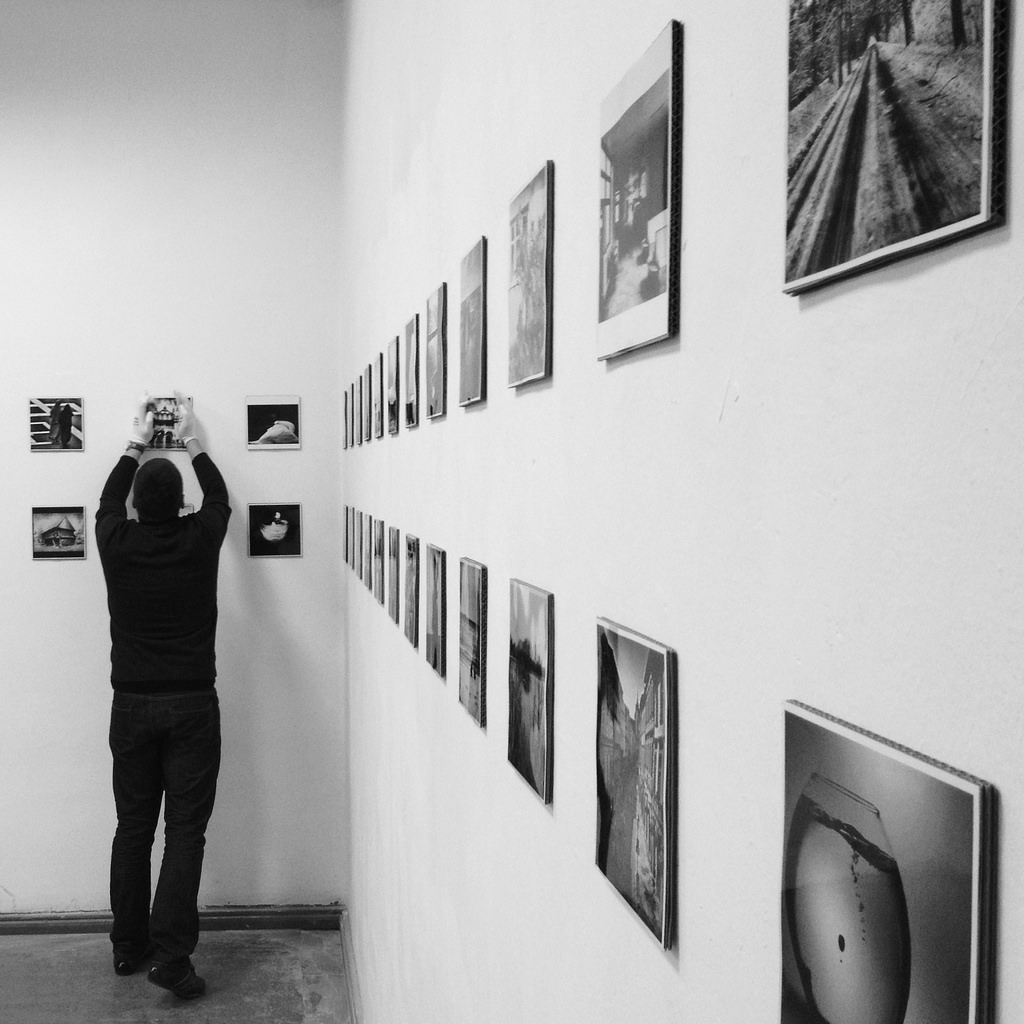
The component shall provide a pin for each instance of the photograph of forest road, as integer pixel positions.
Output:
(889, 129)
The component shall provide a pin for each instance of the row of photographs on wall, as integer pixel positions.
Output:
(59, 531)
(58, 424)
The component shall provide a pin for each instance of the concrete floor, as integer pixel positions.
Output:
(252, 977)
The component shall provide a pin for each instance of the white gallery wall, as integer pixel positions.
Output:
(169, 219)
(817, 498)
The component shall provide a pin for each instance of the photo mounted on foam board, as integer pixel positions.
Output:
(56, 424)
(412, 373)
(344, 426)
(58, 531)
(531, 267)
(353, 432)
(357, 552)
(896, 131)
(394, 397)
(275, 530)
(367, 403)
(378, 560)
(378, 395)
(435, 608)
(394, 555)
(473, 326)
(412, 589)
(641, 175)
(887, 889)
(437, 353)
(368, 565)
(636, 772)
(531, 694)
(473, 639)
(165, 418)
(273, 422)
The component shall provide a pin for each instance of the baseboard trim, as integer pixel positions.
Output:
(307, 918)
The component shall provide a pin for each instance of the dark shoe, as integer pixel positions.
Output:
(181, 979)
(129, 963)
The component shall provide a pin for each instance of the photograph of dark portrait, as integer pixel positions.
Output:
(435, 609)
(473, 639)
(56, 424)
(412, 374)
(394, 543)
(531, 694)
(275, 530)
(58, 531)
(636, 744)
(641, 152)
(890, 131)
(165, 417)
(531, 264)
(437, 353)
(394, 397)
(886, 881)
(378, 560)
(273, 422)
(412, 589)
(473, 326)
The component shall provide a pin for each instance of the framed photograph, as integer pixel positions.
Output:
(473, 639)
(437, 353)
(378, 560)
(165, 418)
(436, 634)
(394, 542)
(412, 372)
(368, 403)
(412, 589)
(368, 565)
(531, 269)
(58, 531)
(473, 326)
(393, 396)
(275, 530)
(273, 422)
(531, 679)
(378, 395)
(56, 424)
(641, 176)
(896, 139)
(887, 890)
(636, 772)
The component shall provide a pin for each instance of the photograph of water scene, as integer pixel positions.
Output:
(886, 887)
(890, 130)
(531, 695)
(473, 639)
(636, 743)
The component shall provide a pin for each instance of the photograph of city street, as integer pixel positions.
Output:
(473, 639)
(636, 742)
(56, 424)
(393, 397)
(473, 326)
(890, 125)
(437, 352)
(639, 202)
(531, 695)
(436, 606)
(531, 262)
(394, 542)
(58, 531)
(412, 589)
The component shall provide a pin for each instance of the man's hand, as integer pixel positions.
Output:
(185, 424)
(142, 423)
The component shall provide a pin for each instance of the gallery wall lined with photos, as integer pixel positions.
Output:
(643, 346)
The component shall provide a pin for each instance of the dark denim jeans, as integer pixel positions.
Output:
(165, 746)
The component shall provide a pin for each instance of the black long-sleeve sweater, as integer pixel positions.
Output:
(162, 585)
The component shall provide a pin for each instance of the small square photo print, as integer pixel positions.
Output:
(56, 424)
(272, 422)
(58, 531)
(275, 530)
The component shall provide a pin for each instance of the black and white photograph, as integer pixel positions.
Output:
(367, 403)
(56, 424)
(473, 639)
(531, 694)
(435, 608)
(344, 425)
(890, 131)
(378, 560)
(354, 437)
(412, 373)
(887, 880)
(473, 325)
(412, 589)
(165, 418)
(437, 352)
(357, 553)
(368, 561)
(531, 268)
(394, 397)
(394, 557)
(273, 422)
(275, 530)
(348, 536)
(58, 531)
(378, 395)
(636, 772)
(641, 172)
